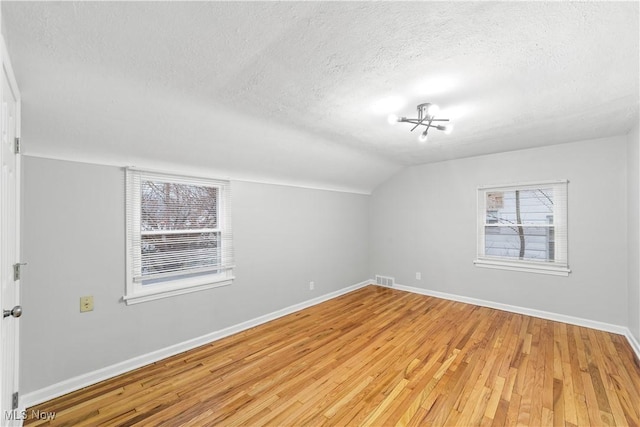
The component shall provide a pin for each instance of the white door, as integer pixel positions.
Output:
(9, 241)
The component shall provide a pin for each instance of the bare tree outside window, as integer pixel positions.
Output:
(523, 227)
(179, 227)
(519, 224)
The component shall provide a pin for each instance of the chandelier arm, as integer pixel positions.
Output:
(429, 126)
(414, 122)
(421, 123)
(417, 121)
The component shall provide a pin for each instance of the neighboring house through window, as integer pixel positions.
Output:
(523, 227)
(179, 236)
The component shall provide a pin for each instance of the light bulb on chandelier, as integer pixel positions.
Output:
(432, 109)
(423, 137)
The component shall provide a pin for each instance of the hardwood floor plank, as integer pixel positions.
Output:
(500, 415)
(514, 410)
(377, 357)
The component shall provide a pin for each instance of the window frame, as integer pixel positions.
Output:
(559, 267)
(135, 290)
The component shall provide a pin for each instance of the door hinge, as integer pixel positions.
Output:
(17, 147)
(14, 400)
(17, 269)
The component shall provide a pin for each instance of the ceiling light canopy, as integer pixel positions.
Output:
(426, 117)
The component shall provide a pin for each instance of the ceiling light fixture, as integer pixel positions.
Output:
(426, 116)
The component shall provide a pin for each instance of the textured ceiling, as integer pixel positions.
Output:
(294, 91)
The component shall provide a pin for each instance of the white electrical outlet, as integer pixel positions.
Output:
(418, 275)
(312, 286)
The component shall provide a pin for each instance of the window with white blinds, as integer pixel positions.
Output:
(524, 227)
(179, 235)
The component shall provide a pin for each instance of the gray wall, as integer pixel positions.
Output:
(74, 242)
(633, 196)
(424, 219)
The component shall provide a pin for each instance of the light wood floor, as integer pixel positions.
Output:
(378, 357)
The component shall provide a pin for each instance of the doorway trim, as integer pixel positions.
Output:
(8, 70)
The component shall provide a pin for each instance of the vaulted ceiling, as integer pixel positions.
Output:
(298, 92)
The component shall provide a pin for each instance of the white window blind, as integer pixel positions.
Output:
(179, 234)
(524, 227)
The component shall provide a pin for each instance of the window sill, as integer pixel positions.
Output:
(528, 267)
(166, 292)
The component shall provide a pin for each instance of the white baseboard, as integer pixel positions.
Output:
(633, 341)
(578, 321)
(90, 378)
(76, 383)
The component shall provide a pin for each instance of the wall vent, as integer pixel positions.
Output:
(384, 280)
